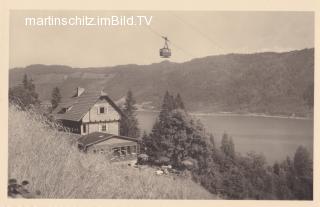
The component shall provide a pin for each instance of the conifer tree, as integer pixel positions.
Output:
(167, 106)
(212, 142)
(24, 95)
(227, 146)
(25, 81)
(129, 123)
(55, 97)
(145, 143)
(179, 103)
(303, 187)
(302, 162)
(176, 136)
(172, 102)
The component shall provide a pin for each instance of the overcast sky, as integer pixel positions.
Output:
(192, 34)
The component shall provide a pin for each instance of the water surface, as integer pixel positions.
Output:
(274, 137)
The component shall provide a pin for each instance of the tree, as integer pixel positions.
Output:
(303, 188)
(55, 97)
(176, 136)
(167, 106)
(227, 146)
(129, 122)
(234, 184)
(24, 95)
(168, 134)
(178, 102)
(212, 142)
(28, 83)
(25, 81)
(302, 162)
(276, 168)
(255, 170)
(145, 143)
(281, 180)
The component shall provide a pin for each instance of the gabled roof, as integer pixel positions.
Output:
(79, 106)
(97, 137)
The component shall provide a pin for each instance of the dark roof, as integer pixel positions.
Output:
(96, 137)
(81, 105)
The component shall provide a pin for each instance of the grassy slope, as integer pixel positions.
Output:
(46, 158)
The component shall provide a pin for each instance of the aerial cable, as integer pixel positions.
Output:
(214, 43)
(172, 43)
(183, 50)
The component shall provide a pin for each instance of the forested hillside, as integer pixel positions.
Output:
(271, 83)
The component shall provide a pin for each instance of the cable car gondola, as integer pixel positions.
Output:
(165, 52)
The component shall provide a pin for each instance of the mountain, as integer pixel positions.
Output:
(269, 82)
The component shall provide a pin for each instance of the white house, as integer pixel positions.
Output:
(89, 111)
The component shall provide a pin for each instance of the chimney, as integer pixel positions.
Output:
(79, 91)
(102, 93)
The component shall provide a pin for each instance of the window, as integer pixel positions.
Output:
(129, 150)
(116, 151)
(123, 151)
(84, 128)
(134, 149)
(101, 110)
(104, 127)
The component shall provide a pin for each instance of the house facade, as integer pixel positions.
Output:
(102, 117)
(96, 117)
(87, 112)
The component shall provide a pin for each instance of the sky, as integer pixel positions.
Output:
(192, 34)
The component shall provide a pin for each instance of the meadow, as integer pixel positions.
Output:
(47, 158)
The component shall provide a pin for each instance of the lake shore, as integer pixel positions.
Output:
(274, 136)
(235, 114)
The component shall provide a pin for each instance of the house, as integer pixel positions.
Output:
(96, 117)
(87, 112)
(119, 147)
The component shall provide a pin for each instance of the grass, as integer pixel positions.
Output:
(49, 161)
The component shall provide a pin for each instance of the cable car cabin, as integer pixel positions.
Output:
(165, 52)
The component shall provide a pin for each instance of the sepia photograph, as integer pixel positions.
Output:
(174, 105)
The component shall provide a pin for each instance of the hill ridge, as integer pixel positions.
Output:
(267, 82)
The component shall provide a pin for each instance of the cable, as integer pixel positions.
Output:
(183, 50)
(214, 43)
(154, 32)
(172, 43)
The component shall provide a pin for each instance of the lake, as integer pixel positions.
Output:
(274, 137)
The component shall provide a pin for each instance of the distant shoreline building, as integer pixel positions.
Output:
(95, 116)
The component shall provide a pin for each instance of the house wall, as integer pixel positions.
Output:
(110, 117)
(93, 115)
(111, 127)
(119, 150)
